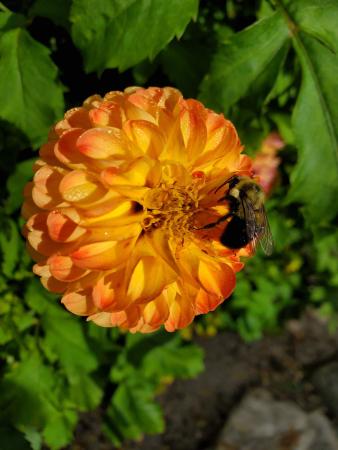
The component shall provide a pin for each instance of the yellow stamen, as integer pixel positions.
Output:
(172, 207)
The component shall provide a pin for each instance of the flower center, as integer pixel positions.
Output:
(171, 207)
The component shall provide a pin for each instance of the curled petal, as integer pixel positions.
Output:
(102, 255)
(63, 269)
(206, 302)
(155, 312)
(62, 229)
(79, 302)
(217, 279)
(148, 279)
(146, 136)
(66, 151)
(78, 186)
(102, 143)
(107, 292)
(181, 308)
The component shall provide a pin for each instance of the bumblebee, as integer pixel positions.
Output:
(247, 222)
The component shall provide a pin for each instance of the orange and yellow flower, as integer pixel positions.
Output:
(116, 209)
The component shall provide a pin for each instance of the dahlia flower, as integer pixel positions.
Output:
(116, 210)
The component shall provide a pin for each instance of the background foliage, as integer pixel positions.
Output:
(268, 65)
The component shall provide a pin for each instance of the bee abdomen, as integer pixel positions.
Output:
(235, 235)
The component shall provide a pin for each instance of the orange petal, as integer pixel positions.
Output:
(80, 302)
(146, 136)
(181, 309)
(156, 312)
(148, 279)
(102, 255)
(45, 192)
(79, 185)
(63, 269)
(78, 118)
(206, 302)
(103, 143)
(106, 292)
(107, 114)
(217, 279)
(62, 229)
(193, 129)
(41, 242)
(53, 285)
(66, 151)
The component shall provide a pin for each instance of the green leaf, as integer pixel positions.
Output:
(33, 437)
(247, 63)
(11, 439)
(9, 245)
(31, 398)
(84, 392)
(57, 12)
(180, 362)
(27, 71)
(121, 33)
(177, 61)
(38, 298)
(133, 411)
(315, 117)
(59, 431)
(15, 184)
(65, 336)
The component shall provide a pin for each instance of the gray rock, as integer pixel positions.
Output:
(325, 380)
(262, 423)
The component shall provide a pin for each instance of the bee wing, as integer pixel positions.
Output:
(249, 216)
(257, 226)
(266, 239)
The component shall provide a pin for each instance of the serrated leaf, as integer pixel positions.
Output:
(315, 117)
(133, 411)
(121, 33)
(65, 336)
(249, 61)
(26, 70)
(84, 392)
(31, 399)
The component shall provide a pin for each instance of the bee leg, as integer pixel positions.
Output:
(213, 224)
(229, 180)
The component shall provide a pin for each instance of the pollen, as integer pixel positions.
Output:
(172, 208)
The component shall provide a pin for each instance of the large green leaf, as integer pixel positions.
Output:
(30, 96)
(121, 33)
(315, 117)
(179, 362)
(31, 398)
(247, 63)
(133, 411)
(64, 338)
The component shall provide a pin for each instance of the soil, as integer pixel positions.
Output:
(196, 410)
